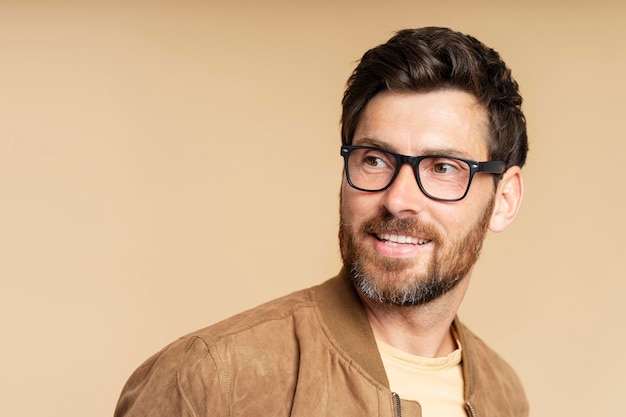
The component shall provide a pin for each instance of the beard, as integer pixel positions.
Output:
(394, 281)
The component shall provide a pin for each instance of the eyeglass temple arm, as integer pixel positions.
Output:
(493, 167)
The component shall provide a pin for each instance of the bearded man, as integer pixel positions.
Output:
(433, 141)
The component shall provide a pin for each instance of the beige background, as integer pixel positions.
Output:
(164, 165)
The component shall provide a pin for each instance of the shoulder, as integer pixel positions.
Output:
(270, 315)
(256, 326)
(196, 371)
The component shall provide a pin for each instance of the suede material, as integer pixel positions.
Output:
(311, 353)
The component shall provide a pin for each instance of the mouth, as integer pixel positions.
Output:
(393, 239)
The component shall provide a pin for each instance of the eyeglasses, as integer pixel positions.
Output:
(440, 177)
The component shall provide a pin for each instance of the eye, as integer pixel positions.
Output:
(374, 161)
(443, 168)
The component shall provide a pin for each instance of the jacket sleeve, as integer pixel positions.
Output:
(181, 380)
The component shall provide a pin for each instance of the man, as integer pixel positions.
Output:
(433, 142)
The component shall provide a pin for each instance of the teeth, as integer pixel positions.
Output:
(400, 239)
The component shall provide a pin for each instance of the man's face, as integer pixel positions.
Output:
(400, 246)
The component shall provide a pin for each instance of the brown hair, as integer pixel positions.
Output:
(433, 58)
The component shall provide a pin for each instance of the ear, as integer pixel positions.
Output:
(508, 199)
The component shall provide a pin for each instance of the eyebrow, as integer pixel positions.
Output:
(366, 141)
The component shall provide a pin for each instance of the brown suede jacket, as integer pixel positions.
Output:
(311, 353)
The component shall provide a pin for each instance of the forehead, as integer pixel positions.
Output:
(443, 121)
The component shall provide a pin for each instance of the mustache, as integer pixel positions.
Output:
(412, 226)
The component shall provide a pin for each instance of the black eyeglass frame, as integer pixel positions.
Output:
(490, 167)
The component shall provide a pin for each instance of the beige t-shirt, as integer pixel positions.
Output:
(436, 383)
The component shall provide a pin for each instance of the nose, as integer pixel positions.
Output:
(404, 197)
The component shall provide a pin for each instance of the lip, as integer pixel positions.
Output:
(397, 245)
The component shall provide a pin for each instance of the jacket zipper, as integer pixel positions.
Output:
(470, 407)
(396, 398)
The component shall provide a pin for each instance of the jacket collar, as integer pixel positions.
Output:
(344, 315)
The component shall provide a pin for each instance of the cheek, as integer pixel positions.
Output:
(468, 217)
(356, 206)
(451, 219)
(482, 188)
(463, 214)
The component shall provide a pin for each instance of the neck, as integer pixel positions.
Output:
(422, 330)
